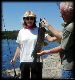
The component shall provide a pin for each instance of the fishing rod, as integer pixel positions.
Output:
(15, 75)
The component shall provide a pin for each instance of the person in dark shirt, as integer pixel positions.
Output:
(66, 47)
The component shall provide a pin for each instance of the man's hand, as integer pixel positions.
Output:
(43, 52)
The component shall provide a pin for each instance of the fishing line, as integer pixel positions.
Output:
(15, 75)
(58, 4)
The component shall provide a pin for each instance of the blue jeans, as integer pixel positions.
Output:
(67, 74)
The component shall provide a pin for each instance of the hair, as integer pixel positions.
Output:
(67, 9)
(34, 24)
(66, 6)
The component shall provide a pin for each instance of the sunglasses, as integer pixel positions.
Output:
(29, 18)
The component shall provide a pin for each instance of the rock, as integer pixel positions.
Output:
(10, 73)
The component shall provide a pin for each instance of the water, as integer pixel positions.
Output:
(8, 50)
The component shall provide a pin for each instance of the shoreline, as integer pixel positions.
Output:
(51, 68)
(11, 73)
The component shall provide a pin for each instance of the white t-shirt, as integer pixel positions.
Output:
(27, 39)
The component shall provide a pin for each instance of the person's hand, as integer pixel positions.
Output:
(12, 61)
(44, 23)
(43, 52)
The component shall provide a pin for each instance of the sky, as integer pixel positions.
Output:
(13, 12)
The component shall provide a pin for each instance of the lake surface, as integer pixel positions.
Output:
(8, 50)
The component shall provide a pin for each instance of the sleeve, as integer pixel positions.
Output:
(18, 38)
(66, 36)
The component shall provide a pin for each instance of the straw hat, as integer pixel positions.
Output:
(29, 14)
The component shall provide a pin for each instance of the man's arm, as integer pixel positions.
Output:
(56, 33)
(51, 51)
(50, 38)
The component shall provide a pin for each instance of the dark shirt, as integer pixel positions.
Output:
(67, 43)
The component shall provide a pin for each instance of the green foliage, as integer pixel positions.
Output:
(9, 34)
